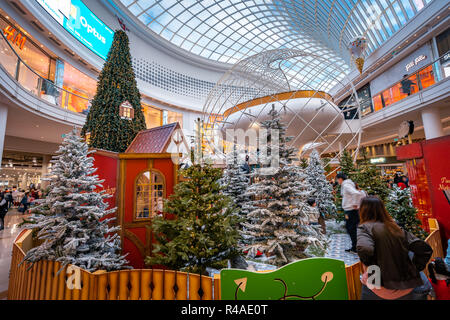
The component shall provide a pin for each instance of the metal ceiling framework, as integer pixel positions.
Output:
(229, 30)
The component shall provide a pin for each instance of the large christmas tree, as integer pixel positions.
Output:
(320, 187)
(105, 127)
(402, 210)
(279, 224)
(204, 232)
(71, 219)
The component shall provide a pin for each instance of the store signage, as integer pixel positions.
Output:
(445, 58)
(415, 62)
(15, 37)
(79, 21)
(378, 160)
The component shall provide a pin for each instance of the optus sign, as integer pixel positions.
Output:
(79, 21)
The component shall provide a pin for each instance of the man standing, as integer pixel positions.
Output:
(351, 200)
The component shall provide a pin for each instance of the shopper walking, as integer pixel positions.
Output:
(382, 243)
(3, 210)
(9, 198)
(351, 199)
(24, 203)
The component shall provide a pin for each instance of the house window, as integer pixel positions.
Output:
(150, 193)
(126, 111)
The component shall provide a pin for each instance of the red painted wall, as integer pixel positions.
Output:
(107, 164)
(437, 162)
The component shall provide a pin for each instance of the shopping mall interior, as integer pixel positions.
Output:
(369, 79)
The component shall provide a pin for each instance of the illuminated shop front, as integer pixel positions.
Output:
(415, 73)
(155, 117)
(43, 73)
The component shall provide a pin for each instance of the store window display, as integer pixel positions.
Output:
(81, 85)
(31, 53)
(152, 115)
(174, 117)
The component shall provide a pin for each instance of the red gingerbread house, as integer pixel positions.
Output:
(144, 175)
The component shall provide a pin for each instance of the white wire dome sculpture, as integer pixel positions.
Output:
(243, 97)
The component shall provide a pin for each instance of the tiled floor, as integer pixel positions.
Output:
(7, 236)
(336, 250)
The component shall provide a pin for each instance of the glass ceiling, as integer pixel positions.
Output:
(230, 30)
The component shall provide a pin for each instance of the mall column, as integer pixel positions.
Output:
(3, 118)
(431, 118)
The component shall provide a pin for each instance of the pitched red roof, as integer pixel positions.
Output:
(155, 140)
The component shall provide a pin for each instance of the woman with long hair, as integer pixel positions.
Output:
(384, 248)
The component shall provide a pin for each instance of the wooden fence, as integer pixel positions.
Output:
(42, 281)
(434, 240)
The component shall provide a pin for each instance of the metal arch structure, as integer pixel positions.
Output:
(231, 30)
(261, 78)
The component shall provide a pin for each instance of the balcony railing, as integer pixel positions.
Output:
(36, 84)
(429, 75)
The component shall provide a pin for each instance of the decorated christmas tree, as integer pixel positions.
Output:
(204, 231)
(71, 221)
(279, 224)
(402, 210)
(347, 164)
(369, 179)
(115, 116)
(320, 187)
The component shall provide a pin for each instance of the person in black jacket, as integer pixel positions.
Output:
(24, 203)
(3, 210)
(9, 199)
(384, 246)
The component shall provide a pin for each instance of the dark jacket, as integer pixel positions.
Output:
(377, 246)
(3, 207)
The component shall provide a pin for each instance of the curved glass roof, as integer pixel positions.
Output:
(229, 30)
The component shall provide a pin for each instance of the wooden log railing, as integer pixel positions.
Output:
(354, 285)
(41, 281)
(434, 240)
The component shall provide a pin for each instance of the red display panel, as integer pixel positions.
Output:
(429, 173)
(107, 164)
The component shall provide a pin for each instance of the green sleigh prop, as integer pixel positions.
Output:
(308, 279)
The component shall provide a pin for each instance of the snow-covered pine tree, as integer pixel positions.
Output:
(321, 188)
(71, 219)
(278, 225)
(400, 207)
(235, 181)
